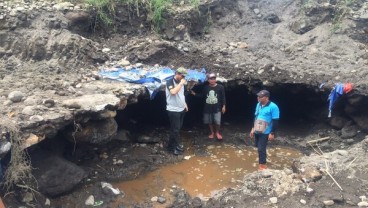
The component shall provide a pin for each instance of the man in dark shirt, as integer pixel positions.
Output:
(215, 104)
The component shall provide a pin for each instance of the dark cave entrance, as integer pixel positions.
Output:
(299, 105)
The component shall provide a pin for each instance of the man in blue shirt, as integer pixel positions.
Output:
(266, 119)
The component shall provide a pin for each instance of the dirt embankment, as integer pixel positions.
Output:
(49, 62)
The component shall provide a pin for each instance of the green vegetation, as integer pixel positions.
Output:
(105, 10)
(195, 3)
(209, 21)
(341, 9)
(157, 7)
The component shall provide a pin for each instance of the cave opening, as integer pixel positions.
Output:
(299, 105)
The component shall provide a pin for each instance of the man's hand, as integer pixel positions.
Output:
(223, 110)
(186, 108)
(271, 136)
(251, 134)
(183, 81)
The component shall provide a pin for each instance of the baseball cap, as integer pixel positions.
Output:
(182, 70)
(212, 75)
(263, 93)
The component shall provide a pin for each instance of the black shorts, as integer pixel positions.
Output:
(212, 118)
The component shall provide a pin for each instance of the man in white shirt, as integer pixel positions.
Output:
(176, 108)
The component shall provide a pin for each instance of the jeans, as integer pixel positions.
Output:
(176, 122)
(260, 142)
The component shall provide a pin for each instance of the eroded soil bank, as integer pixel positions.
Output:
(81, 130)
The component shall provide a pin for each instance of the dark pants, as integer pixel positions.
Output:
(176, 122)
(260, 142)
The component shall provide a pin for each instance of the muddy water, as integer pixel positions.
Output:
(225, 166)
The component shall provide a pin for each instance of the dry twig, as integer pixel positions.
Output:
(351, 162)
(328, 173)
(318, 140)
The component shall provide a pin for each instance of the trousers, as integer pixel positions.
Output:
(176, 123)
(260, 142)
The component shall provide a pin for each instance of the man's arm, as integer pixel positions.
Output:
(223, 102)
(176, 89)
(275, 125)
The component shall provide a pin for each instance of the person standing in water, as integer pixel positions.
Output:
(266, 119)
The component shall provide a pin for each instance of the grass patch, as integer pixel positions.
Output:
(105, 10)
(19, 171)
(158, 7)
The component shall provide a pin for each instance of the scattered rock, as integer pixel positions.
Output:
(161, 200)
(310, 190)
(122, 135)
(338, 122)
(147, 139)
(63, 6)
(273, 200)
(302, 26)
(328, 202)
(47, 202)
(124, 63)
(72, 105)
(36, 118)
(28, 198)
(273, 18)
(363, 204)
(108, 186)
(49, 103)
(29, 110)
(311, 174)
(197, 202)
(4, 147)
(90, 201)
(349, 131)
(16, 96)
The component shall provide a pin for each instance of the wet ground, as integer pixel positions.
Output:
(149, 172)
(224, 166)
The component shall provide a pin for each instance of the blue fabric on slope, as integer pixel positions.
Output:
(152, 78)
(335, 93)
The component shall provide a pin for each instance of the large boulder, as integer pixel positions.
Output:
(338, 121)
(56, 176)
(349, 131)
(362, 121)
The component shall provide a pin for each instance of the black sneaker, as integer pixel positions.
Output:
(180, 147)
(177, 152)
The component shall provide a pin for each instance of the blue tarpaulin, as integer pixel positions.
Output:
(151, 78)
(335, 93)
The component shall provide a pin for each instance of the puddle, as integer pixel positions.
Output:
(224, 167)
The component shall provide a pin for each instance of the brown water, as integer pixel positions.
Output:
(202, 176)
